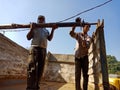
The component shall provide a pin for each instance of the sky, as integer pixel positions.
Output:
(27, 11)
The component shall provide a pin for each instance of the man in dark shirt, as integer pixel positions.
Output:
(81, 55)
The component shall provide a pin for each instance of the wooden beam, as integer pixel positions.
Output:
(47, 25)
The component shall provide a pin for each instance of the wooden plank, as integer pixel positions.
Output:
(103, 57)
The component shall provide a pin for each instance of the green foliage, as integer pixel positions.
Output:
(113, 65)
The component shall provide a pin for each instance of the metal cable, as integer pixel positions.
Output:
(86, 10)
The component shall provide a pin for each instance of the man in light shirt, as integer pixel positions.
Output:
(37, 52)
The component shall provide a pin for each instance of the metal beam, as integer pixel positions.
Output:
(47, 25)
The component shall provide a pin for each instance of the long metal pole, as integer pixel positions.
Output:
(47, 25)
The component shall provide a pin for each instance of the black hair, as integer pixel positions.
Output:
(41, 16)
(78, 19)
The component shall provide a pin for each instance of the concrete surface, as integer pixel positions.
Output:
(21, 85)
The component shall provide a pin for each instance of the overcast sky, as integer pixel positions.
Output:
(26, 11)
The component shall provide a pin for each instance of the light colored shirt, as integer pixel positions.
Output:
(40, 36)
(80, 49)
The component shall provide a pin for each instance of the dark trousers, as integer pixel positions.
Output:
(81, 64)
(35, 68)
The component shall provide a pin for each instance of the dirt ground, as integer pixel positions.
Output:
(21, 85)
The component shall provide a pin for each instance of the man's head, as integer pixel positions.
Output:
(86, 28)
(78, 20)
(41, 19)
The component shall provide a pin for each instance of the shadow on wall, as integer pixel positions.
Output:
(53, 69)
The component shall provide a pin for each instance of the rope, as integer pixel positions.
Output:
(11, 30)
(86, 11)
(4, 31)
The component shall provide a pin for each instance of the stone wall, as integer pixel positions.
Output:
(13, 59)
(98, 71)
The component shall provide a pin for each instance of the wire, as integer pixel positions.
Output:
(86, 11)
